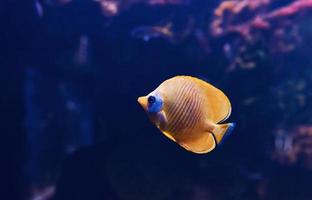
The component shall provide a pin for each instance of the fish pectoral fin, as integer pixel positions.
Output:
(203, 144)
(160, 119)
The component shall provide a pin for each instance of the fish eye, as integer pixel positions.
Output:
(151, 99)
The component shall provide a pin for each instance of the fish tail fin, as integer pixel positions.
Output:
(222, 131)
(167, 29)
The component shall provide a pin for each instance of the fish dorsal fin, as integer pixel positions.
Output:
(203, 144)
(218, 104)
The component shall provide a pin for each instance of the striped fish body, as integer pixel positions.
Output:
(192, 108)
(182, 105)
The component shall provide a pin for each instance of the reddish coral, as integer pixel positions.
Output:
(228, 11)
(291, 9)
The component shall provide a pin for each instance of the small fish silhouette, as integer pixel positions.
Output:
(147, 33)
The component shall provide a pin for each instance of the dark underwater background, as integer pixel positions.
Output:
(71, 72)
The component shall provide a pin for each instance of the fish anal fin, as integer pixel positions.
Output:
(200, 145)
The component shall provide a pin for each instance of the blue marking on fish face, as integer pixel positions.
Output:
(155, 103)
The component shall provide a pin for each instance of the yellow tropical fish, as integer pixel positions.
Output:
(187, 110)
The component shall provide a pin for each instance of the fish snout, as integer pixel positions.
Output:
(143, 102)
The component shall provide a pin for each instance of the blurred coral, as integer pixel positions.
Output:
(260, 16)
(113, 7)
(291, 9)
(294, 146)
(275, 28)
(266, 25)
(229, 11)
(109, 7)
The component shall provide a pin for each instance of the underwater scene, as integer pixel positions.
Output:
(156, 99)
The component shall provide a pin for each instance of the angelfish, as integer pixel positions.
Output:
(189, 111)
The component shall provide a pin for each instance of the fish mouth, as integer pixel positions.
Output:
(143, 102)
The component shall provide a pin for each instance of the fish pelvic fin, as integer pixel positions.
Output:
(222, 131)
(168, 135)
